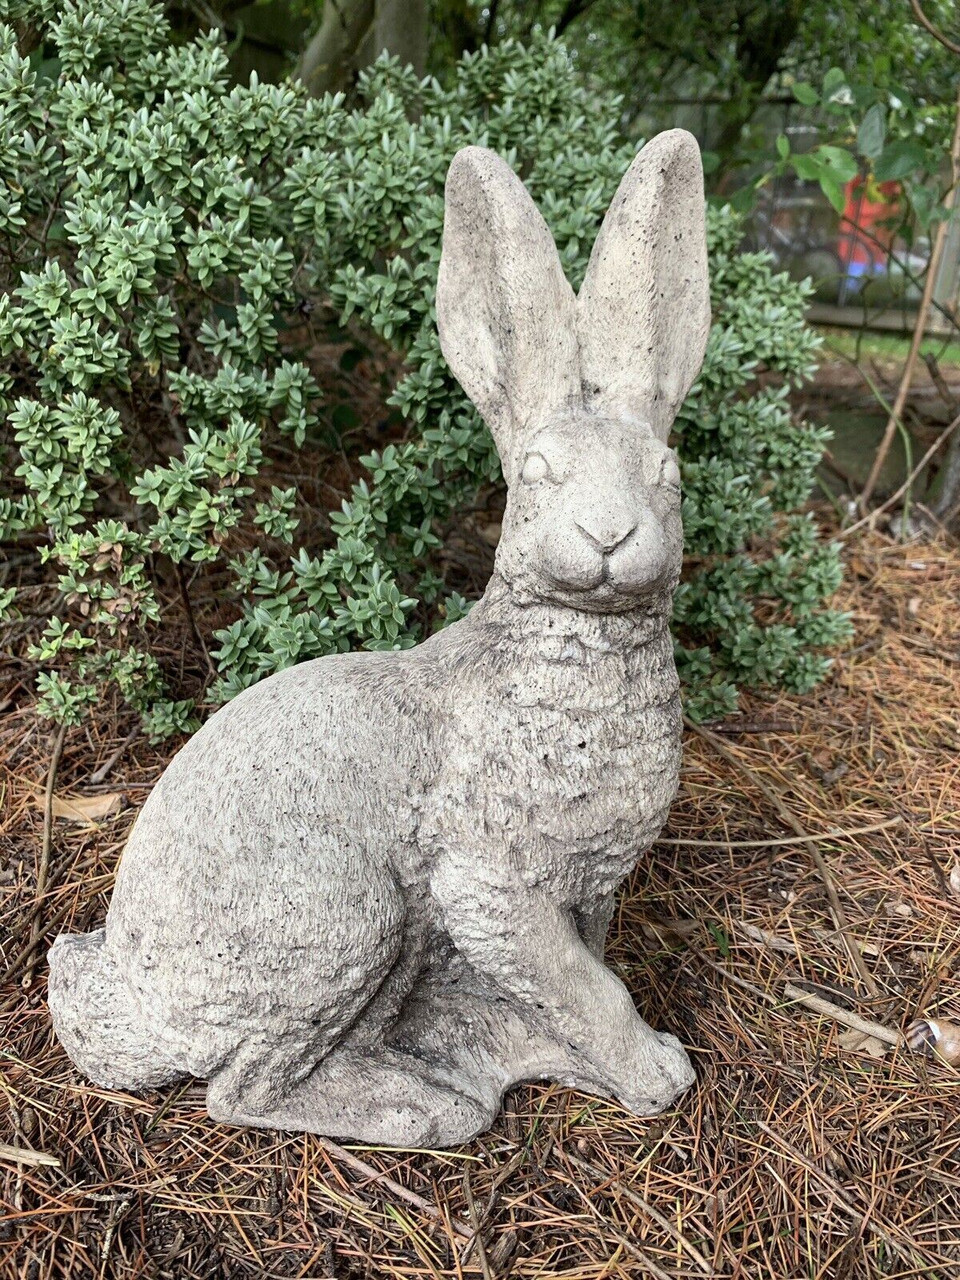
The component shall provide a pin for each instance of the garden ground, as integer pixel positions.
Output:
(812, 852)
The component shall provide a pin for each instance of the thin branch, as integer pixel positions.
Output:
(895, 497)
(191, 619)
(477, 1225)
(24, 1155)
(902, 265)
(100, 774)
(827, 1009)
(404, 1193)
(719, 842)
(934, 31)
(101, 884)
(491, 21)
(572, 10)
(864, 1221)
(631, 1194)
(919, 330)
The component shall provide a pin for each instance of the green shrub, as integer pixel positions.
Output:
(166, 238)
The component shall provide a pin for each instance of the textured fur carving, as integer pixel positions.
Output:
(372, 892)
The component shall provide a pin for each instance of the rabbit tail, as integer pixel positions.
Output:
(97, 1020)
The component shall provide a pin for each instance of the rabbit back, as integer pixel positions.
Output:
(263, 889)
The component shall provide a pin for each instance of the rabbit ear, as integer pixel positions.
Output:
(505, 312)
(643, 313)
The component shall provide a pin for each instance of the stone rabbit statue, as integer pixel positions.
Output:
(372, 892)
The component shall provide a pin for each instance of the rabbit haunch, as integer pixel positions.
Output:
(371, 893)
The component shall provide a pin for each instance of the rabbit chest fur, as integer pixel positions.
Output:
(564, 754)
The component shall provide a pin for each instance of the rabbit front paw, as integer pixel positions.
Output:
(660, 1074)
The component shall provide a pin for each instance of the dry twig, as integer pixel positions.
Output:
(43, 868)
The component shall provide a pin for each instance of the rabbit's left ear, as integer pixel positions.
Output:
(505, 311)
(643, 313)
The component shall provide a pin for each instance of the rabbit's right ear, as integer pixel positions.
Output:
(505, 311)
(644, 305)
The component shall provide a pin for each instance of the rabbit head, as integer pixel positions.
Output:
(580, 392)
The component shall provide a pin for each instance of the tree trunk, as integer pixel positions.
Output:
(457, 23)
(328, 62)
(763, 37)
(400, 27)
(947, 506)
(353, 33)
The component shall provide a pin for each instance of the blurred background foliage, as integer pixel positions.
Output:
(731, 56)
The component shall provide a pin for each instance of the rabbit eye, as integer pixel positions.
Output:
(535, 468)
(670, 473)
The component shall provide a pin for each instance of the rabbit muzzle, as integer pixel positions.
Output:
(597, 558)
(608, 564)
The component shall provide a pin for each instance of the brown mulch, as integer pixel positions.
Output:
(805, 1150)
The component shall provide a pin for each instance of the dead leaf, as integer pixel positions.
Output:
(668, 933)
(857, 1042)
(84, 808)
(899, 908)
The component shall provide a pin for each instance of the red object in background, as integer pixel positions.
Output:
(861, 253)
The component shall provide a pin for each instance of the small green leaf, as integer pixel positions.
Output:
(898, 160)
(872, 132)
(806, 94)
(926, 205)
(833, 189)
(720, 937)
(807, 167)
(840, 162)
(783, 146)
(744, 199)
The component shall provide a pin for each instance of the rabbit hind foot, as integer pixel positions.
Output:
(382, 1097)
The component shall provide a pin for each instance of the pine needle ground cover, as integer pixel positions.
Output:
(807, 1149)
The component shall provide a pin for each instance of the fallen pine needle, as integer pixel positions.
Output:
(644, 1206)
(826, 1008)
(790, 818)
(769, 844)
(43, 867)
(404, 1193)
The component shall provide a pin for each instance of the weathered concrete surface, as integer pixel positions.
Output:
(372, 892)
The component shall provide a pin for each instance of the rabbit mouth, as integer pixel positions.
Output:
(604, 590)
(587, 580)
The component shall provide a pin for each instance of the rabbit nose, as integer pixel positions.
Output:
(606, 534)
